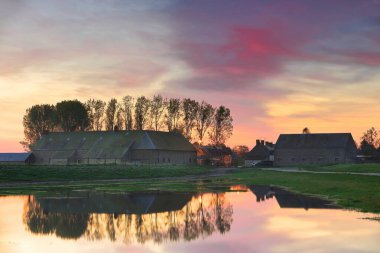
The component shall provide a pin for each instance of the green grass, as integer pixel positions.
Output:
(360, 168)
(350, 191)
(38, 173)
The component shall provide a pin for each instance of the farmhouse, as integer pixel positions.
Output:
(262, 152)
(322, 148)
(214, 155)
(119, 147)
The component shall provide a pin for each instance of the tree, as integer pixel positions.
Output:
(37, 120)
(203, 119)
(367, 149)
(240, 150)
(221, 126)
(371, 137)
(111, 113)
(173, 114)
(95, 111)
(190, 110)
(306, 130)
(157, 109)
(127, 108)
(141, 112)
(72, 116)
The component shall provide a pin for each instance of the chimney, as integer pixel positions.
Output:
(267, 143)
(262, 142)
(257, 142)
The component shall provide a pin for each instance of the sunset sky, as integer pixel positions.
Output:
(278, 65)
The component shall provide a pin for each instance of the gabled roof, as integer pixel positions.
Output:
(320, 140)
(259, 152)
(14, 157)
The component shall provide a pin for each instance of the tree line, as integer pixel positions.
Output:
(195, 120)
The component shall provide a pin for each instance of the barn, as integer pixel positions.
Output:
(321, 148)
(114, 147)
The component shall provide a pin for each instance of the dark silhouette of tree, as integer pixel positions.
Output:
(306, 130)
(111, 113)
(173, 114)
(240, 150)
(127, 109)
(190, 111)
(95, 111)
(221, 126)
(157, 109)
(37, 120)
(72, 116)
(371, 137)
(203, 119)
(367, 149)
(142, 107)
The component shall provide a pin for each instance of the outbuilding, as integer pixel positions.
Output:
(17, 158)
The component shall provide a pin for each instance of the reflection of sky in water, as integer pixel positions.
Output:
(256, 227)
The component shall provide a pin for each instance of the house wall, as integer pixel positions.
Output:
(286, 157)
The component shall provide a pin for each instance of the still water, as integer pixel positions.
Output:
(244, 219)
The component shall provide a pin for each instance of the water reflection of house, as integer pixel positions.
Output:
(261, 153)
(95, 202)
(215, 155)
(287, 199)
(129, 217)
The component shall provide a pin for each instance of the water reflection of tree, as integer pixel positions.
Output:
(200, 217)
(68, 226)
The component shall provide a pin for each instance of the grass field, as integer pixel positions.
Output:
(38, 173)
(363, 167)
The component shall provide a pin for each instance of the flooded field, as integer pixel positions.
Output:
(244, 219)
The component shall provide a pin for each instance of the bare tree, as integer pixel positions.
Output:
(221, 126)
(173, 114)
(127, 109)
(371, 137)
(157, 109)
(141, 112)
(203, 119)
(95, 110)
(111, 113)
(190, 110)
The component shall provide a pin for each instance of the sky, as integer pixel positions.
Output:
(279, 66)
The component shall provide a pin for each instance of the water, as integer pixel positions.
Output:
(245, 219)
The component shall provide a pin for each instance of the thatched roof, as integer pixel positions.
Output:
(318, 141)
(107, 144)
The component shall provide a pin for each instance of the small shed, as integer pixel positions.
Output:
(17, 158)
